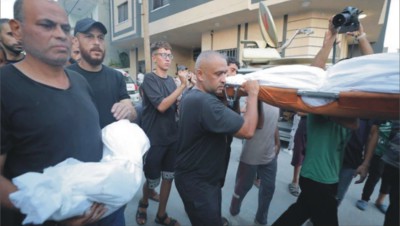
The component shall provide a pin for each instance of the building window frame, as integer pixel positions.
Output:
(158, 4)
(229, 52)
(123, 12)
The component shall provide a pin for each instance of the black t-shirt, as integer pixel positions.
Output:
(204, 124)
(161, 128)
(42, 125)
(354, 151)
(109, 87)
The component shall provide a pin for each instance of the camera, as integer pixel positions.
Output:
(347, 20)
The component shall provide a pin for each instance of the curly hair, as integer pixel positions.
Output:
(159, 45)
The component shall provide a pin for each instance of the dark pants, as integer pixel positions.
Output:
(316, 201)
(392, 214)
(202, 200)
(374, 174)
(229, 140)
(244, 182)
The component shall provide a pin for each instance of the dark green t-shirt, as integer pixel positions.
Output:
(326, 141)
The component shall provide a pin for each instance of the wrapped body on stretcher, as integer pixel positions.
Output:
(364, 87)
(69, 188)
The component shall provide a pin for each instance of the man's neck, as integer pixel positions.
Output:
(161, 73)
(37, 70)
(199, 87)
(88, 67)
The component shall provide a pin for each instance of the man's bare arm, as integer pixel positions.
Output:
(171, 99)
(323, 54)
(6, 187)
(362, 170)
(251, 116)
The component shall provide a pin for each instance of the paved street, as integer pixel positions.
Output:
(349, 215)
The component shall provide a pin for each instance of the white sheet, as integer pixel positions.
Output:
(372, 73)
(69, 188)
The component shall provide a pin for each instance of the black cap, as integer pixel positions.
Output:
(181, 68)
(86, 24)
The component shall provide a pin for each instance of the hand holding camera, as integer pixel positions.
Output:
(182, 75)
(357, 34)
(347, 20)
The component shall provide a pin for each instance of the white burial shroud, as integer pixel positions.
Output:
(69, 188)
(376, 73)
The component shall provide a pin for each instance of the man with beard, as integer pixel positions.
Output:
(108, 85)
(11, 46)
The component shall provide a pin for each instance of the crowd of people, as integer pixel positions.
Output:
(57, 95)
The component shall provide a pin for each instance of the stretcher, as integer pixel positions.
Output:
(362, 87)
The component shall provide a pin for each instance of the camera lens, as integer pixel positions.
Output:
(347, 20)
(339, 20)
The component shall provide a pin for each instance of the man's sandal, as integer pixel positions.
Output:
(161, 220)
(141, 217)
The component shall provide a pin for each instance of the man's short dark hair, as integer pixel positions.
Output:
(3, 21)
(159, 45)
(232, 60)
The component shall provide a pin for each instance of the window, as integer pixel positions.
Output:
(123, 12)
(228, 52)
(141, 66)
(159, 3)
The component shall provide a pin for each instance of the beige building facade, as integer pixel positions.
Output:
(197, 25)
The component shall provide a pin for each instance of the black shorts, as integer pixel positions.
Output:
(159, 159)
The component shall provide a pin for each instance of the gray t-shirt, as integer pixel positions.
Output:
(260, 149)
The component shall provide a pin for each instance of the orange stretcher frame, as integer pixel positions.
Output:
(352, 104)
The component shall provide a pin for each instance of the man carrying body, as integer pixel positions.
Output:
(47, 113)
(204, 124)
(319, 176)
(160, 95)
(108, 85)
(12, 47)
